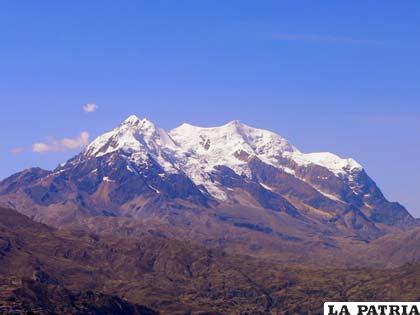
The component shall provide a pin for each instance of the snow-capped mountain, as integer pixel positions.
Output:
(139, 139)
(234, 144)
(140, 170)
(196, 151)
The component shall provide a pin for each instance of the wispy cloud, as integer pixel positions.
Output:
(60, 145)
(17, 150)
(90, 107)
(325, 39)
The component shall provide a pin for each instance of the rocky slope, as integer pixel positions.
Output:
(27, 296)
(80, 272)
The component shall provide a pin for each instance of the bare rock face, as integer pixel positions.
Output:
(265, 197)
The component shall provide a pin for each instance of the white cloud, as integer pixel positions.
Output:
(90, 107)
(61, 145)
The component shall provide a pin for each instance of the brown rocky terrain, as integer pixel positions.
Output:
(27, 296)
(49, 266)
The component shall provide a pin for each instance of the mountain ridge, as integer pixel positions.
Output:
(235, 144)
(257, 140)
(187, 149)
(209, 184)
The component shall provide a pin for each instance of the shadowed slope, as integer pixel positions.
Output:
(173, 277)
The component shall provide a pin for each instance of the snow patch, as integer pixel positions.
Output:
(266, 187)
(151, 187)
(328, 160)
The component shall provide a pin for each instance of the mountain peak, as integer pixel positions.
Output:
(135, 121)
(131, 120)
(132, 135)
(197, 151)
(234, 123)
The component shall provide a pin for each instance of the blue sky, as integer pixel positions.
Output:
(339, 76)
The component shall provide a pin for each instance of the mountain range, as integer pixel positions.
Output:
(217, 198)
(139, 170)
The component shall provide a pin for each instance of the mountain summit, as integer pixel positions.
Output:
(196, 151)
(232, 175)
